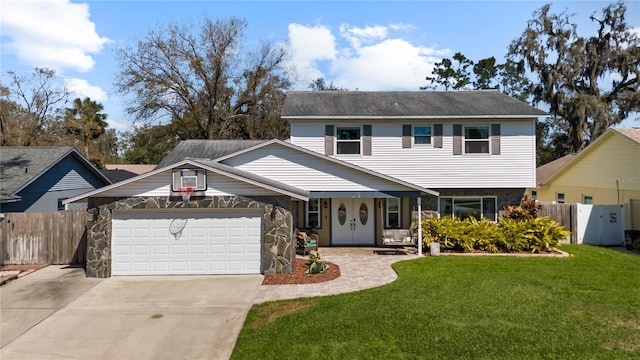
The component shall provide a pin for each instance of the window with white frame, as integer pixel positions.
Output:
(481, 207)
(560, 198)
(393, 213)
(312, 218)
(348, 140)
(476, 139)
(534, 195)
(587, 199)
(422, 135)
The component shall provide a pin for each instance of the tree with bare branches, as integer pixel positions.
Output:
(198, 76)
(31, 109)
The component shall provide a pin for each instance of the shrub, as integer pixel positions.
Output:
(510, 235)
(527, 210)
(636, 244)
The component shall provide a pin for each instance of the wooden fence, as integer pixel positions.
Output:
(44, 238)
(563, 214)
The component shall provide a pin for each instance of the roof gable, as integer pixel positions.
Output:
(330, 162)
(209, 166)
(405, 104)
(22, 165)
(632, 134)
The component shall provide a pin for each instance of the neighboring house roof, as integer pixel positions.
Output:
(632, 134)
(543, 172)
(209, 166)
(205, 149)
(118, 175)
(119, 172)
(132, 168)
(405, 104)
(22, 165)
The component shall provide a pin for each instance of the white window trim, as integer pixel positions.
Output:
(337, 139)
(307, 212)
(413, 135)
(558, 197)
(481, 197)
(399, 212)
(534, 194)
(464, 140)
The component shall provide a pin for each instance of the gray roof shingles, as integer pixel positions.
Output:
(405, 104)
(205, 149)
(19, 165)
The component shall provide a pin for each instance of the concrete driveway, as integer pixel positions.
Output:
(155, 317)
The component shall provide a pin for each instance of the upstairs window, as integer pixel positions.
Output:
(422, 135)
(476, 139)
(348, 140)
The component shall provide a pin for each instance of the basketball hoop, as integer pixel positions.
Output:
(186, 193)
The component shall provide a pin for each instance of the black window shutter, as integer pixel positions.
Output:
(366, 140)
(406, 136)
(495, 139)
(328, 140)
(457, 139)
(437, 135)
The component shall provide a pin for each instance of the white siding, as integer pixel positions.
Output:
(160, 185)
(307, 171)
(437, 167)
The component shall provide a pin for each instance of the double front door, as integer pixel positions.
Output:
(352, 222)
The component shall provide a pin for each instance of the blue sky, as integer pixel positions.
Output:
(365, 45)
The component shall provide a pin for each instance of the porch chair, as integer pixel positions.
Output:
(306, 243)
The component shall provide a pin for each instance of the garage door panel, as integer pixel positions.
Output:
(161, 249)
(141, 250)
(209, 243)
(198, 249)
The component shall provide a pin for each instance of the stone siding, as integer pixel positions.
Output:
(278, 242)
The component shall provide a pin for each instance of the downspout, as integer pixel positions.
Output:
(618, 190)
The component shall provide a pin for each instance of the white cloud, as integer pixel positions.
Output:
(310, 45)
(82, 89)
(393, 64)
(55, 34)
(357, 36)
(370, 58)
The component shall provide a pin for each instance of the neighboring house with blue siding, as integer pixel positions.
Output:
(38, 179)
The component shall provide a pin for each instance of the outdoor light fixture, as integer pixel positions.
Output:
(326, 204)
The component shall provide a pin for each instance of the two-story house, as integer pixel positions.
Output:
(356, 163)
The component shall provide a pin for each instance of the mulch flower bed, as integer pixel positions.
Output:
(299, 276)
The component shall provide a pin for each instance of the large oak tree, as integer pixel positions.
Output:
(589, 83)
(200, 78)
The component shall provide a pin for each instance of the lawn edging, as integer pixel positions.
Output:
(556, 253)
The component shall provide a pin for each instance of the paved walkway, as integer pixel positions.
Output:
(360, 268)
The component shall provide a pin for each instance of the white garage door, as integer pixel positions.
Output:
(185, 242)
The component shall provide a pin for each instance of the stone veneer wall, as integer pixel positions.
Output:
(278, 242)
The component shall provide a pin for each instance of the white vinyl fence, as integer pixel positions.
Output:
(601, 224)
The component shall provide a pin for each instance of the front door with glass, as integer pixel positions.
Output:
(352, 222)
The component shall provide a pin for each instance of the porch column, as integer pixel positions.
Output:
(419, 226)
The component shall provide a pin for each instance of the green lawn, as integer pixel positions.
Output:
(449, 307)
